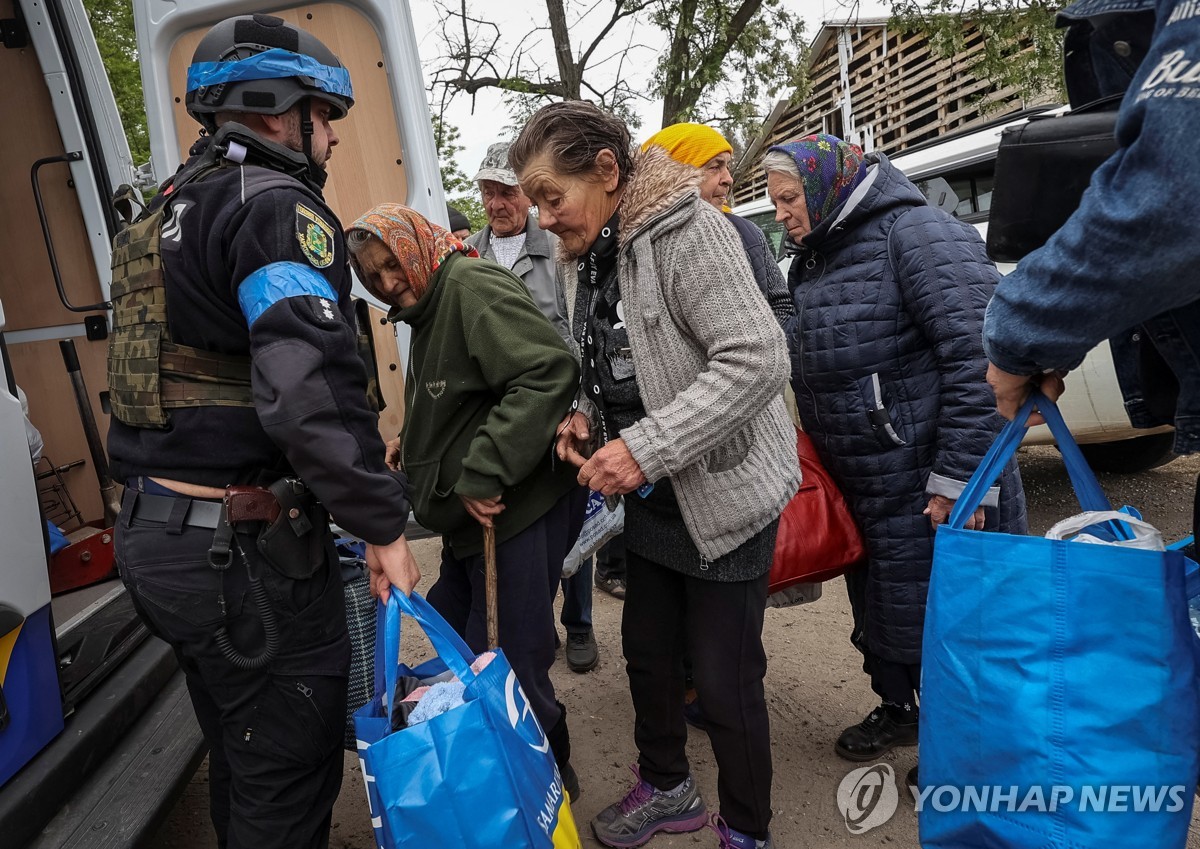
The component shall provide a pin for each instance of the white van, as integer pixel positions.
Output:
(97, 734)
(956, 172)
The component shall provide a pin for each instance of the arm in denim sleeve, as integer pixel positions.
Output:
(1130, 251)
(945, 280)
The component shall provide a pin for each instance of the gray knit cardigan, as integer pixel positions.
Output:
(711, 360)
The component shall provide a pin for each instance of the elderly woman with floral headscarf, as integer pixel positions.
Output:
(888, 370)
(489, 378)
(704, 148)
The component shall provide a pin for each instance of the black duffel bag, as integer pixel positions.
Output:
(1042, 169)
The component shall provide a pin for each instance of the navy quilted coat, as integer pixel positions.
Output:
(888, 370)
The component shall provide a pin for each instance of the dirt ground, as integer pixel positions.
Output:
(815, 688)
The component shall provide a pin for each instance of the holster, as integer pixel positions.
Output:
(291, 536)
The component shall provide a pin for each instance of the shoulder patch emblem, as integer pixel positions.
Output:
(315, 237)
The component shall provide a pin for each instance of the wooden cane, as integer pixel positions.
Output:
(490, 586)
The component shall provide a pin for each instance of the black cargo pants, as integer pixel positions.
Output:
(275, 733)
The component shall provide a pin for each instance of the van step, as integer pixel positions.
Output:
(129, 796)
(95, 732)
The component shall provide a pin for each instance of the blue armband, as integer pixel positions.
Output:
(279, 280)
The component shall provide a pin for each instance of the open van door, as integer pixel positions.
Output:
(93, 712)
(97, 734)
(386, 150)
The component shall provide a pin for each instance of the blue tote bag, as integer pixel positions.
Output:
(1059, 702)
(480, 776)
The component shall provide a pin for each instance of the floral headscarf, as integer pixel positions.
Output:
(830, 169)
(420, 245)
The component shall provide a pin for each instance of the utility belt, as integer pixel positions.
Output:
(285, 521)
(288, 527)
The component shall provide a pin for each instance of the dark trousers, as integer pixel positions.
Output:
(577, 600)
(528, 570)
(719, 624)
(897, 684)
(275, 733)
(610, 560)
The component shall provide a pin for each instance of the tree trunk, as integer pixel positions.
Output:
(568, 71)
(674, 90)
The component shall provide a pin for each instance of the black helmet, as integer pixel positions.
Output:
(260, 63)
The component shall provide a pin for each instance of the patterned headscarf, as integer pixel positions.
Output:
(830, 169)
(420, 245)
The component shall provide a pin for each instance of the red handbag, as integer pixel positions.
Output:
(818, 538)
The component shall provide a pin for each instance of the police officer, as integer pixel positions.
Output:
(233, 363)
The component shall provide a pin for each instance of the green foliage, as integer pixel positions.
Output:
(112, 24)
(1022, 47)
(727, 62)
(460, 192)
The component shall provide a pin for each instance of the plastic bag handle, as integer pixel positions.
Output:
(446, 642)
(1087, 488)
(1142, 531)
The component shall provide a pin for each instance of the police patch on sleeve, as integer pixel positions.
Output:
(315, 237)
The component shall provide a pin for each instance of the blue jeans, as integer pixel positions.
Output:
(577, 600)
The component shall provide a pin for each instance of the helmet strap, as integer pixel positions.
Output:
(306, 126)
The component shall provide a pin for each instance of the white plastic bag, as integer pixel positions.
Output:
(600, 524)
(1145, 535)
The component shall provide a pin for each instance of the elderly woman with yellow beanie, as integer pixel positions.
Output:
(704, 148)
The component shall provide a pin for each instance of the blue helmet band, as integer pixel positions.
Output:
(272, 64)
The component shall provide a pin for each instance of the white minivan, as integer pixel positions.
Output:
(956, 172)
(97, 734)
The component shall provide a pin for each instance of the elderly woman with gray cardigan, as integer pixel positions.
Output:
(683, 366)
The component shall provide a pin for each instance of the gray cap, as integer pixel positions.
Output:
(495, 165)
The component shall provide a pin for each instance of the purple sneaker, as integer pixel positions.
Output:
(733, 839)
(646, 810)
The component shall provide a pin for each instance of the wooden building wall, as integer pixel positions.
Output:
(902, 92)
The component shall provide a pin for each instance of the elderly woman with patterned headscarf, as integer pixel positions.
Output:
(711, 153)
(488, 380)
(888, 370)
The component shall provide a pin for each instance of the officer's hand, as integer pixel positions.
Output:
(392, 565)
(392, 456)
(1012, 389)
(483, 510)
(571, 438)
(612, 470)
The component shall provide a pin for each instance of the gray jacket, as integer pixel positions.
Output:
(537, 266)
(711, 361)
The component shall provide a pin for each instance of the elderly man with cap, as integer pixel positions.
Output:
(513, 240)
(704, 148)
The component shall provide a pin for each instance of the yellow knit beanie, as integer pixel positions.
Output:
(691, 144)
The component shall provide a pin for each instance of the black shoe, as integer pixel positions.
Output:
(582, 654)
(910, 781)
(570, 781)
(693, 715)
(876, 734)
(615, 587)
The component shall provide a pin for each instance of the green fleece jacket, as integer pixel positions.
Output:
(488, 382)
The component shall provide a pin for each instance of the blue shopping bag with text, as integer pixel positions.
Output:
(480, 776)
(1059, 682)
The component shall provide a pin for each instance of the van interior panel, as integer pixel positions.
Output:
(391, 374)
(39, 369)
(26, 282)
